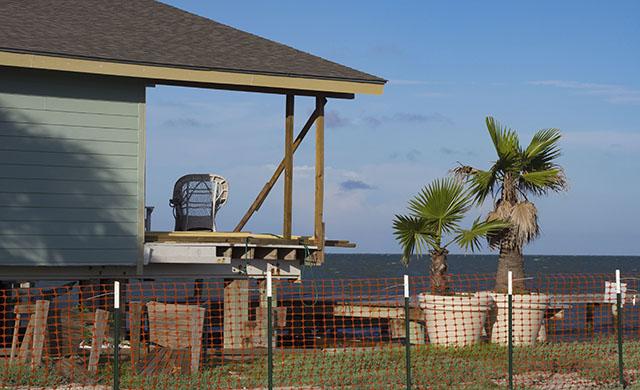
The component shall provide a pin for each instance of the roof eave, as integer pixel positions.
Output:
(192, 77)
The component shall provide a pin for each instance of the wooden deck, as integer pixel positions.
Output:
(221, 247)
(241, 238)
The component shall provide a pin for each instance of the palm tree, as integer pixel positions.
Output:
(513, 177)
(433, 214)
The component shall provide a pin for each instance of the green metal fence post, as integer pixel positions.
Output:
(510, 327)
(620, 329)
(116, 335)
(407, 329)
(269, 331)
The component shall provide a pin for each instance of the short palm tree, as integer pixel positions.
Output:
(514, 176)
(433, 214)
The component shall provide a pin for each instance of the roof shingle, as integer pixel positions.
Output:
(152, 33)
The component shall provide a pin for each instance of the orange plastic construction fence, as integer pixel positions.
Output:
(341, 333)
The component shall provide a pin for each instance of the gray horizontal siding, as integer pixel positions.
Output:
(67, 242)
(79, 188)
(65, 159)
(77, 214)
(67, 118)
(70, 169)
(107, 201)
(36, 144)
(34, 102)
(74, 133)
(99, 229)
(12, 171)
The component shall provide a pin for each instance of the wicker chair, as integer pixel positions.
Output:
(196, 200)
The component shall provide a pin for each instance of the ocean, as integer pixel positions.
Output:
(361, 265)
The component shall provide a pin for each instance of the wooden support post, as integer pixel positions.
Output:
(236, 313)
(272, 181)
(288, 166)
(319, 193)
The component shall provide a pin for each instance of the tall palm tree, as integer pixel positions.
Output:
(514, 176)
(433, 214)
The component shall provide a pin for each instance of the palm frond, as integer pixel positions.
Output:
(470, 239)
(541, 182)
(524, 221)
(507, 145)
(543, 150)
(441, 203)
(414, 234)
(482, 184)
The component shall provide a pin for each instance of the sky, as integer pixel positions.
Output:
(572, 65)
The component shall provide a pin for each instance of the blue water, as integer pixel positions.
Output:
(389, 265)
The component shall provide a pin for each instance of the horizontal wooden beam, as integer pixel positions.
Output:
(374, 311)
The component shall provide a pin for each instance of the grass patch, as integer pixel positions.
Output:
(475, 367)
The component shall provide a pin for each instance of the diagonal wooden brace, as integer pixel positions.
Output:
(255, 206)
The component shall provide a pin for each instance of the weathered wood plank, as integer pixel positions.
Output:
(97, 338)
(135, 325)
(14, 339)
(366, 311)
(236, 313)
(170, 325)
(27, 340)
(39, 330)
(417, 331)
(196, 327)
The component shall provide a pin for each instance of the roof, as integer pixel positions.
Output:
(150, 33)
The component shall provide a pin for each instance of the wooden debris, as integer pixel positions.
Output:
(72, 368)
(30, 350)
(100, 327)
(135, 325)
(176, 327)
(236, 313)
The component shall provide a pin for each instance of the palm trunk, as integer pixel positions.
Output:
(511, 258)
(438, 272)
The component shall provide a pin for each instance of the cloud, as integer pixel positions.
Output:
(412, 155)
(611, 93)
(386, 50)
(604, 140)
(335, 119)
(445, 150)
(451, 152)
(185, 123)
(407, 117)
(353, 185)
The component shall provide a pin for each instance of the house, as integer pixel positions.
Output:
(73, 80)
